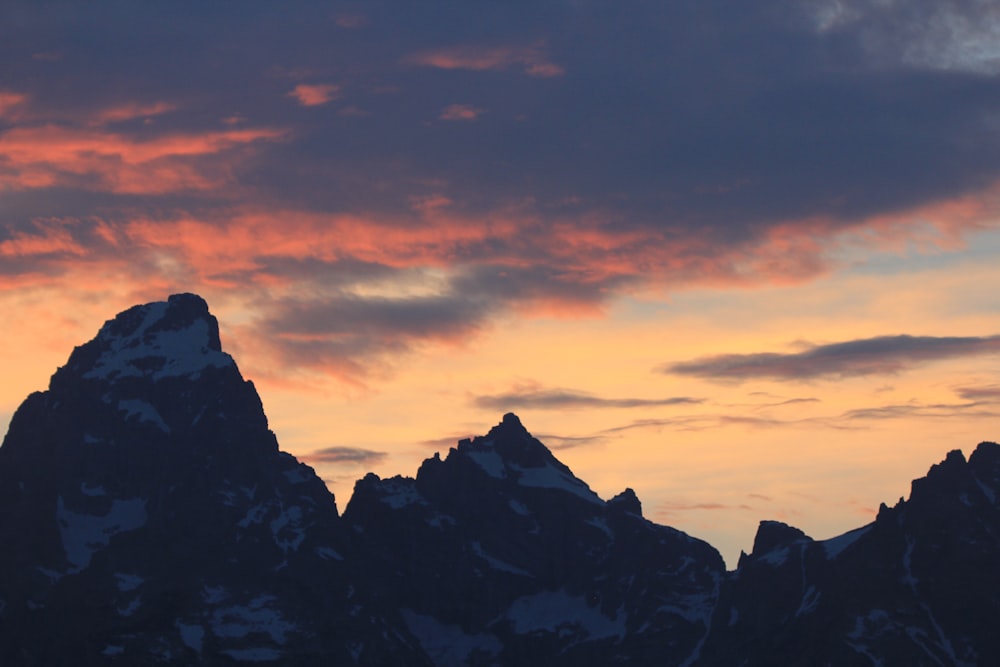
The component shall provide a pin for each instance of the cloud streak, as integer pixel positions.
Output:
(477, 57)
(881, 355)
(982, 393)
(343, 455)
(569, 399)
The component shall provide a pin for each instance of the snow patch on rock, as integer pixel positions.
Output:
(549, 477)
(85, 534)
(144, 411)
(560, 612)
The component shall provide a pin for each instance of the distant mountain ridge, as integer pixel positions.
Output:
(147, 516)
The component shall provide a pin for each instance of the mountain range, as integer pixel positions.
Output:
(148, 516)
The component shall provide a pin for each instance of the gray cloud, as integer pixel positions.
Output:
(923, 410)
(568, 399)
(350, 455)
(713, 119)
(983, 393)
(673, 148)
(343, 321)
(869, 356)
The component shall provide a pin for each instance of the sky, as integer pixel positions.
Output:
(740, 257)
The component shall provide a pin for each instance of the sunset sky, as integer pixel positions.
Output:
(739, 256)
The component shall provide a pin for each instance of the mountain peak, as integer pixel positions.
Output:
(626, 501)
(775, 534)
(508, 456)
(511, 420)
(173, 338)
(512, 441)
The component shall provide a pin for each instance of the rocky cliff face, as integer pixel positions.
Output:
(147, 516)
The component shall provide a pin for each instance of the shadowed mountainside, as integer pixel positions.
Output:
(147, 513)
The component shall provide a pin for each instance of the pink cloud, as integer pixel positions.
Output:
(130, 111)
(311, 95)
(430, 203)
(51, 237)
(9, 102)
(94, 159)
(460, 112)
(531, 59)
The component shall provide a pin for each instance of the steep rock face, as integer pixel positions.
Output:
(498, 554)
(147, 513)
(919, 586)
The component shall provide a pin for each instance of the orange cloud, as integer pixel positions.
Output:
(130, 111)
(460, 112)
(311, 95)
(243, 239)
(53, 237)
(531, 59)
(33, 157)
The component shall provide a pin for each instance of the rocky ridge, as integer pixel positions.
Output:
(148, 514)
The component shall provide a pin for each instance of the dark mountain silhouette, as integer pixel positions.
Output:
(147, 516)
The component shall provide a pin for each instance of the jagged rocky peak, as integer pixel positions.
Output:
(985, 464)
(627, 502)
(173, 338)
(774, 534)
(512, 441)
(957, 479)
(509, 455)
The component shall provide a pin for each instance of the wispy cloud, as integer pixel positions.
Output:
(94, 159)
(981, 393)
(349, 455)
(918, 410)
(9, 102)
(538, 398)
(316, 94)
(672, 510)
(880, 355)
(460, 112)
(130, 111)
(531, 59)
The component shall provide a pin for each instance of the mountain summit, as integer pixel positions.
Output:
(147, 516)
(176, 338)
